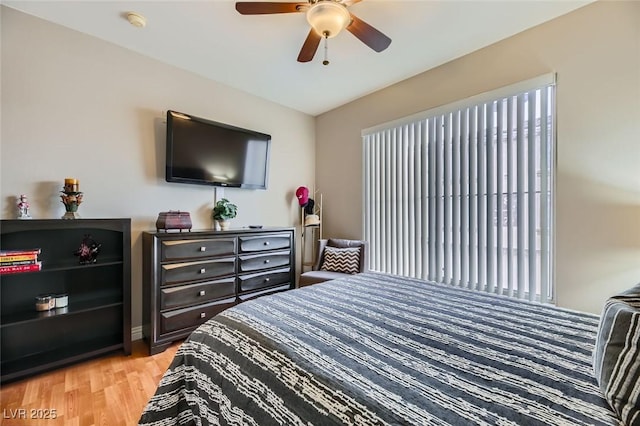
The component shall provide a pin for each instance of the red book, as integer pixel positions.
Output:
(18, 257)
(14, 262)
(10, 258)
(15, 269)
(26, 252)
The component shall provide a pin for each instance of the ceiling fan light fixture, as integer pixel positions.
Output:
(328, 18)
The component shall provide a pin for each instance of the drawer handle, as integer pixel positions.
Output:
(201, 293)
(202, 270)
(266, 261)
(266, 243)
(266, 280)
(202, 315)
(203, 248)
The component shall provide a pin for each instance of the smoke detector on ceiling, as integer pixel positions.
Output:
(136, 19)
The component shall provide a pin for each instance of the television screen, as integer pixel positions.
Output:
(204, 152)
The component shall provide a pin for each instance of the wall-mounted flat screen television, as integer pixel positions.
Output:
(204, 152)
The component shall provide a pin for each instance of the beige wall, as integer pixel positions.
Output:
(76, 106)
(595, 52)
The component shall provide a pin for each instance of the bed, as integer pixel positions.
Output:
(376, 349)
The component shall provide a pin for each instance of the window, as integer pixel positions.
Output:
(462, 194)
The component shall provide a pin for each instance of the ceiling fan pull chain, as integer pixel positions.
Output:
(326, 49)
(327, 19)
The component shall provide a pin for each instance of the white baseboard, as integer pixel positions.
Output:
(136, 333)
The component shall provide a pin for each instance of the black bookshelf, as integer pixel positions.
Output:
(97, 319)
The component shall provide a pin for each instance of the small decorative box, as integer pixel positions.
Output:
(173, 219)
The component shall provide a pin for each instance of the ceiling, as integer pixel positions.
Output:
(257, 53)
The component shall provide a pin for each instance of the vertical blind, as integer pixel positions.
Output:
(462, 194)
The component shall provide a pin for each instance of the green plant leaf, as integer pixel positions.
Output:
(224, 210)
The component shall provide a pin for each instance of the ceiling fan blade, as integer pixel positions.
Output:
(368, 35)
(310, 46)
(264, 8)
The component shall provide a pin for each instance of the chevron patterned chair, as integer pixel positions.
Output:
(337, 258)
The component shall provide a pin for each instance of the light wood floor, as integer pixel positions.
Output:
(111, 390)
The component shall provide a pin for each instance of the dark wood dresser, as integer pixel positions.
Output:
(188, 277)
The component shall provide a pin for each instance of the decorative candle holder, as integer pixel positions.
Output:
(71, 198)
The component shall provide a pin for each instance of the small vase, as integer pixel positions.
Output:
(224, 224)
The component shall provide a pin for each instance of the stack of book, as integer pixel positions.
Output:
(16, 261)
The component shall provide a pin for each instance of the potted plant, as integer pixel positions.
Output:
(223, 211)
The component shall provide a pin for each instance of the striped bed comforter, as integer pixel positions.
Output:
(379, 349)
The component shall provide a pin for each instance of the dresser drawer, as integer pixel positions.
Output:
(264, 242)
(191, 294)
(188, 249)
(193, 316)
(269, 290)
(263, 261)
(197, 271)
(264, 279)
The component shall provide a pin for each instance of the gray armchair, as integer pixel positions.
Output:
(316, 275)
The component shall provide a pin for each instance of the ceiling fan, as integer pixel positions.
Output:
(326, 17)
